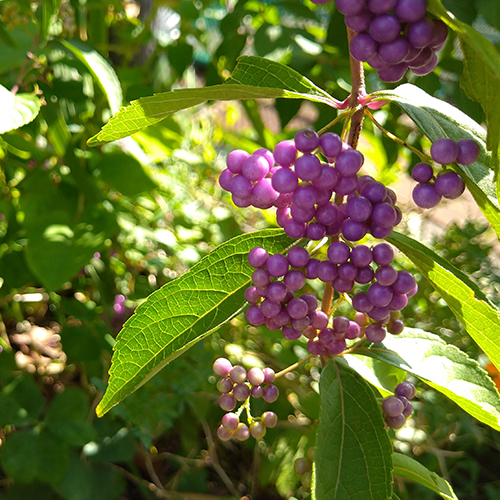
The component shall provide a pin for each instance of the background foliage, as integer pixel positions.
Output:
(82, 244)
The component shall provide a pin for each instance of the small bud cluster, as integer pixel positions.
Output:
(398, 408)
(448, 184)
(236, 384)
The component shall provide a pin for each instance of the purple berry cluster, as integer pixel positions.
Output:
(303, 186)
(448, 183)
(236, 384)
(398, 408)
(394, 35)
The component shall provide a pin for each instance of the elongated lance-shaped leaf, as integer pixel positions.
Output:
(481, 76)
(479, 317)
(438, 119)
(261, 72)
(444, 367)
(353, 456)
(150, 110)
(17, 109)
(100, 69)
(183, 312)
(411, 469)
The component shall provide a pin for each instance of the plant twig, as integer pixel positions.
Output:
(391, 136)
(215, 461)
(294, 366)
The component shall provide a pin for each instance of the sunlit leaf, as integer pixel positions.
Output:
(17, 109)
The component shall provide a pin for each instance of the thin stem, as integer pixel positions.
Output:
(390, 135)
(326, 304)
(294, 366)
(339, 118)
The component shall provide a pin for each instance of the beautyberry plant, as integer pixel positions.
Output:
(330, 275)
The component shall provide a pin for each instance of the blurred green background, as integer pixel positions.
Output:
(87, 234)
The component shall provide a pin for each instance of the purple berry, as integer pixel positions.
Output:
(468, 151)
(230, 421)
(255, 168)
(260, 278)
(321, 320)
(375, 333)
(349, 162)
(241, 392)
(297, 308)
(338, 252)
(421, 33)
(365, 275)
(392, 406)
(425, 195)
(385, 28)
(269, 375)
(240, 186)
(308, 167)
(294, 280)
(242, 433)
(381, 6)
(386, 275)
(404, 283)
(350, 7)
(449, 184)
(361, 256)
(235, 160)
(305, 196)
(315, 231)
(257, 257)
(425, 69)
(410, 11)
(395, 422)
(227, 402)
(353, 331)
(408, 410)
(225, 179)
(422, 172)
(238, 374)
(393, 73)
(379, 295)
(285, 180)
(341, 324)
(269, 419)
(263, 194)
(277, 265)
(382, 254)
(396, 327)
(224, 434)
(257, 430)
(255, 376)
(222, 367)
(405, 389)
(285, 153)
(363, 47)
(361, 302)
(291, 333)
(271, 394)
(306, 141)
(269, 308)
(394, 52)
(315, 347)
(276, 291)
(294, 229)
(444, 151)
(224, 385)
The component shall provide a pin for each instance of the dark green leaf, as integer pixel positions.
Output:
(17, 109)
(445, 368)
(28, 455)
(124, 173)
(353, 456)
(411, 469)
(438, 119)
(67, 417)
(183, 312)
(479, 317)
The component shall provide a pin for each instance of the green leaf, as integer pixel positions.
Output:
(439, 119)
(260, 72)
(353, 456)
(481, 76)
(479, 317)
(147, 111)
(67, 417)
(124, 173)
(411, 469)
(100, 69)
(445, 368)
(183, 312)
(29, 454)
(17, 109)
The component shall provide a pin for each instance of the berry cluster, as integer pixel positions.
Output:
(393, 35)
(398, 408)
(236, 384)
(448, 184)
